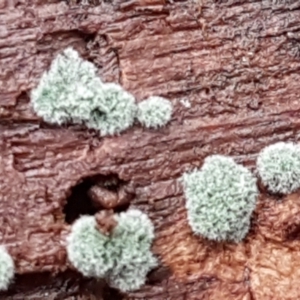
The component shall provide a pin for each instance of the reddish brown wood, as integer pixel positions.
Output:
(235, 63)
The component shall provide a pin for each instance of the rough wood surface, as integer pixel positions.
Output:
(235, 62)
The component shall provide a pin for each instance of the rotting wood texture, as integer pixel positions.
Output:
(232, 71)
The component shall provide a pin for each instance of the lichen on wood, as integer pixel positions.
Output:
(236, 63)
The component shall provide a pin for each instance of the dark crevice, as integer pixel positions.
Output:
(293, 233)
(87, 2)
(111, 294)
(158, 275)
(121, 208)
(23, 98)
(79, 203)
(82, 202)
(61, 286)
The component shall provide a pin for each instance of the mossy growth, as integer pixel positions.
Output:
(71, 92)
(154, 112)
(220, 199)
(123, 258)
(115, 112)
(7, 269)
(278, 166)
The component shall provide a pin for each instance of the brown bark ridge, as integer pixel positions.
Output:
(231, 69)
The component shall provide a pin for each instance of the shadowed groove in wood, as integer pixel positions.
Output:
(67, 285)
(95, 193)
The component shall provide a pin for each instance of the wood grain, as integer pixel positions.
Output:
(231, 70)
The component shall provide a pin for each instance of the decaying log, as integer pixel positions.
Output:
(232, 71)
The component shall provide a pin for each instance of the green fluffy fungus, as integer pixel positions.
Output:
(71, 92)
(115, 112)
(124, 258)
(7, 269)
(220, 199)
(154, 112)
(278, 166)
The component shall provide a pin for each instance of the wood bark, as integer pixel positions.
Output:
(232, 71)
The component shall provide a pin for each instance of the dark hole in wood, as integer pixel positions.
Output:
(159, 274)
(80, 203)
(110, 182)
(293, 232)
(121, 208)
